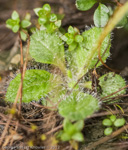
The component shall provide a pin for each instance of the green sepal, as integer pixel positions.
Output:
(25, 23)
(23, 35)
(69, 41)
(71, 30)
(15, 28)
(9, 23)
(27, 16)
(42, 20)
(47, 8)
(78, 137)
(36, 10)
(79, 38)
(15, 15)
(58, 23)
(53, 18)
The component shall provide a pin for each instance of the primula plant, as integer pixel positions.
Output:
(74, 54)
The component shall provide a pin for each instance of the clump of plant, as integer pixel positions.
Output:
(71, 131)
(64, 91)
(112, 122)
(15, 24)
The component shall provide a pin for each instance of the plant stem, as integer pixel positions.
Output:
(21, 70)
(17, 96)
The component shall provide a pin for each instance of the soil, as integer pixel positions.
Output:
(36, 120)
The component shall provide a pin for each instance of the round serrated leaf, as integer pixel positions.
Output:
(78, 106)
(85, 4)
(119, 122)
(47, 48)
(25, 23)
(35, 86)
(111, 83)
(15, 15)
(108, 131)
(101, 16)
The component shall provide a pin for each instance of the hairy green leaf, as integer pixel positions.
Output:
(47, 48)
(78, 57)
(85, 4)
(78, 106)
(35, 86)
(111, 83)
(123, 22)
(101, 16)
